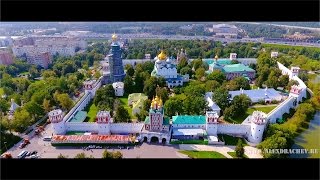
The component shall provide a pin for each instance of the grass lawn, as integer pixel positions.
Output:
(124, 102)
(233, 154)
(254, 86)
(203, 154)
(239, 119)
(230, 140)
(1, 91)
(92, 112)
(74, 133)
(191, 141)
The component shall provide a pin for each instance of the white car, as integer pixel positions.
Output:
(35, 156)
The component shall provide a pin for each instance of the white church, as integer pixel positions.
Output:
(165, 67)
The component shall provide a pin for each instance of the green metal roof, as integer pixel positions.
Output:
(147, 120)
(80, 116)
(188, 119)
(237, 68)
(166, 121)
(220, 61)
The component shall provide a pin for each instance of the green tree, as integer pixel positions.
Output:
(291, 83)
(80, 156)
(103, 96)
(162, 93)
(186, 70)
(33, 71)
(221, 97)
(117, 155)
(174, 105)
(242, 102)
(229, 112)
(62, 156)
(128, 84)
(46, 105)
(183, 62)
(107, 155)
(34, 109)
(283, 80)
(238, 83)
(97, 74)
(239, 149)
(130, 70)
(146, 104)
(65, 101)
(122, 115)
(200, 73)
(150, 86)
(194, 105)
(4, 105)
(212, 85)
(21, 120)
(198, 63)
(216, 75)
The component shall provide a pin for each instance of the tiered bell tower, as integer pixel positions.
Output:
(156, 115)
(115, 61)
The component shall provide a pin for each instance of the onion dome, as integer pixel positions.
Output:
(162, 56)
(114, 37)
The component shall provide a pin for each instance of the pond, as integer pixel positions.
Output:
(309, 139)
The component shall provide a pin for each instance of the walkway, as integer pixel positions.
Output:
(251, 152)
(258, 106)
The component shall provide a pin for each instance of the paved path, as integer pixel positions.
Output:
(251, 152)
(220, 149)
(268, 105)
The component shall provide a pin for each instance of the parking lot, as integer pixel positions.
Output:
(46, 150)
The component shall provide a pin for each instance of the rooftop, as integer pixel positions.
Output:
(185, 119)
(257, 93)
(80, 116)
(237, 68)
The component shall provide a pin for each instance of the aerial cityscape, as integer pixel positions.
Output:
(160, 90)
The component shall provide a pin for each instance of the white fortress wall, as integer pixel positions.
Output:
(126, 127)
(282, 108)
(81, 126)
(285, 106)
(81, 104)
(284, 70)
(237, 129)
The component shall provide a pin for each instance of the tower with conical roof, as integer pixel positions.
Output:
(115, 61)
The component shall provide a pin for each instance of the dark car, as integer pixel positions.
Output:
(34, 152)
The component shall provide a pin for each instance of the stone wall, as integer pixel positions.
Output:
(237, 129)
(81, 104)
(81, 126)
(117, 128)
(282, 108)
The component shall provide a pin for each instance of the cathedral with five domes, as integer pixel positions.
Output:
(165, 67)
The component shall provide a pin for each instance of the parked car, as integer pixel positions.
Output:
(24, 143)
(22, 154)
(28, 154)
(34, 152)
(47, 138)
(35, 156)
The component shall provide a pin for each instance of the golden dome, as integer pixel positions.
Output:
(216, 57)
(162, 56)
(114, 37)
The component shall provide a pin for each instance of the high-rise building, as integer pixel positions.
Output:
(6, 58)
